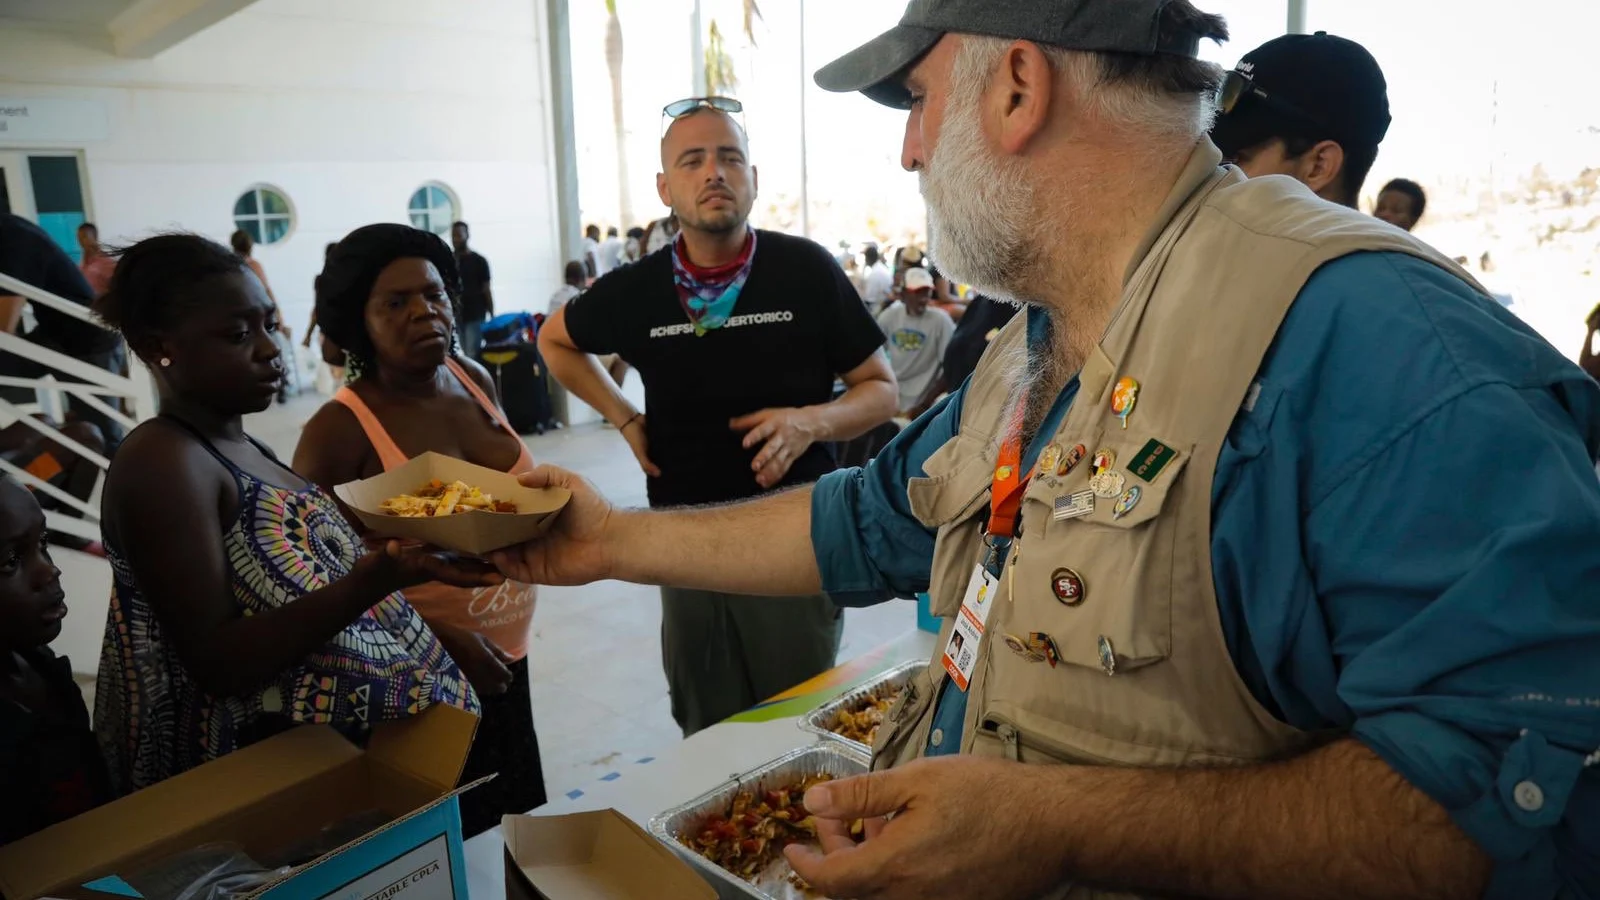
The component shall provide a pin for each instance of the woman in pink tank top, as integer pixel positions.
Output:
(388, 296)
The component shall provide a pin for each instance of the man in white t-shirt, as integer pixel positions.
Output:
(609, 256)
(918, 335)
(661, 232)
(591, 252)
(576, 276)
(877, 282)
(571, 289)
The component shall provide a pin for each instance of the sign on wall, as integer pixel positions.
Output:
(54, 121)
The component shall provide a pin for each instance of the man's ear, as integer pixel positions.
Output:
(661, 190)
(1020, 95)
(755, 182)
(1321, 168)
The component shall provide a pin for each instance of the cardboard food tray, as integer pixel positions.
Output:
(819, 721)
(593, 856)
(772, 884)
(475, 532)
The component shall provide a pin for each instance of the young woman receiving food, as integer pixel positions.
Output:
(388, 296)
(243, 603)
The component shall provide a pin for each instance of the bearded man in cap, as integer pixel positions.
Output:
(1285, 533)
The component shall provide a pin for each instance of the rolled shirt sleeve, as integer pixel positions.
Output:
(1407, 548)
(1466, 626)
(869, 547)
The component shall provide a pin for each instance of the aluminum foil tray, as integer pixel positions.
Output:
(819, 721)
(772, 884)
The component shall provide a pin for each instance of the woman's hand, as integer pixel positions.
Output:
(483, 662)
(394, 566)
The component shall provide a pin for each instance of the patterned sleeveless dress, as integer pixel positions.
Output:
(154, 721)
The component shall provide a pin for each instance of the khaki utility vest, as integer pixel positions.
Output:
(1144, 676)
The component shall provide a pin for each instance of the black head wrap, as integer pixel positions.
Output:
(353, 266)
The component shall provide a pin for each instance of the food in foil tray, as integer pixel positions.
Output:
(860, 722)
(436, 498)
(756, 829)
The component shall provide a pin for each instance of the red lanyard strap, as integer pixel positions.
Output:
(1010, 482)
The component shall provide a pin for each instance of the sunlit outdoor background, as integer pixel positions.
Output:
(1494, 115)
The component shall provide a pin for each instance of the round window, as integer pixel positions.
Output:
(434, 208)
(264, 213)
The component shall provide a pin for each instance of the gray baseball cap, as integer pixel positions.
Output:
(1107, 26)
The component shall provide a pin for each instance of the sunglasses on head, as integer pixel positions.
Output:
(1237, 86)
(680, 108)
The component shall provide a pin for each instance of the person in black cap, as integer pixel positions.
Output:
(1210, 487)
(1314, 107)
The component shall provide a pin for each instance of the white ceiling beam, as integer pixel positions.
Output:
(149, 27)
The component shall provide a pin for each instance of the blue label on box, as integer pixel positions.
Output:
(418, 859)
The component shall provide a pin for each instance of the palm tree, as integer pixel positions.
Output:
(752, 15)
(614, 63)
(722, 73)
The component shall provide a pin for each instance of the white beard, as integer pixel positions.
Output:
(980, 209)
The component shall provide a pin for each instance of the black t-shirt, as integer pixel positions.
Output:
(798, 324)
(474, 279)
(50, 764)
(971, 337)
(28, 254)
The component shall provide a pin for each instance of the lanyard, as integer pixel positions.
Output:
(1010, 482)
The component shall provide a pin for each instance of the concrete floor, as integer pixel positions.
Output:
(599, 696)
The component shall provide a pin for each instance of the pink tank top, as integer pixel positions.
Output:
(503, 614)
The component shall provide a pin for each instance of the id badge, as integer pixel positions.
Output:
(961, 652)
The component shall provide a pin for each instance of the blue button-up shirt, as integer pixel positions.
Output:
(1405, 544)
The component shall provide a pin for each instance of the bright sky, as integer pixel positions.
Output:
(1477, 89)
(1469, 88)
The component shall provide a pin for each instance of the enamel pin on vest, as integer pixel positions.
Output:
(1022, 648)
(1071, 460)
(1068, 586)
(1106, 483)
(1108, 656)
(1049, 458)
(1073, 506)
(1125, 504)
(1123, 398)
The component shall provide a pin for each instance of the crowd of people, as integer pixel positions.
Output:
(1175, 448)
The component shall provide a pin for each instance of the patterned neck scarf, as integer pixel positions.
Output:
(708, 295)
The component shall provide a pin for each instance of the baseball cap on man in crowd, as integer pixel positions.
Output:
(1323, 96)
(1105, 26)
(918, 279)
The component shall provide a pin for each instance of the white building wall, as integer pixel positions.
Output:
(347, 107)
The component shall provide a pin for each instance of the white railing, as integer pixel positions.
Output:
(97, 388)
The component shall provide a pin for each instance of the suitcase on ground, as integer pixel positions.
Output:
(509, 328)
(519, 374)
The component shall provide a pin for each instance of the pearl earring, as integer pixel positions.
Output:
(165, 362)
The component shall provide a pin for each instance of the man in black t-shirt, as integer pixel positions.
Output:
(30, 255)
(738, 335)
(477, 302)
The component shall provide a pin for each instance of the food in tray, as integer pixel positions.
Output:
(437, 498)
(860, 722)
(756, 829)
